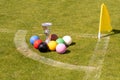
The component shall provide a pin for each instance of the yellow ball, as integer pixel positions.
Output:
(52, 45)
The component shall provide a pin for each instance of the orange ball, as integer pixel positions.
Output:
(52, 45)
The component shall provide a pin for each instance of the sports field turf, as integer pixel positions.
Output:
(87, 59)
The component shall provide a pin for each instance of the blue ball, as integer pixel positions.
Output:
(33, 38)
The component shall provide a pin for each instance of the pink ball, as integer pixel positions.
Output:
(61, 48)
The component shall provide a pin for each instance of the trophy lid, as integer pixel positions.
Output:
(46, 24)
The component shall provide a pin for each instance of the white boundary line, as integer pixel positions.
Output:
(5, 30)
(88, 35)
(97, 59)
(93, 70)
(22, 46)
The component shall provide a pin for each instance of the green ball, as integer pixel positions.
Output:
(60, 40)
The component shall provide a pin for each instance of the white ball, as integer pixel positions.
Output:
(67, 39)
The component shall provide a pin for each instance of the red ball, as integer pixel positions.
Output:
(37, 43)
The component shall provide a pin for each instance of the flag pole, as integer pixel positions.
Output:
(99, 35)
(99, 32)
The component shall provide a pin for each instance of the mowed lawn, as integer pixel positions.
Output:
(69, 17)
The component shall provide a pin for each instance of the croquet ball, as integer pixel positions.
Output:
(37, 43)
(33, 38)
(53, 37)
(67, 39)
(43, 47)
(61, 48)
(52, 45)
(60, 40)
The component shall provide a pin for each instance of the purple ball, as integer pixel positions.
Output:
(61, 48)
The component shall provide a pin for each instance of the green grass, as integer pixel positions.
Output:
(69, 17)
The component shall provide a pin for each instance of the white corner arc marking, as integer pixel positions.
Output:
(21, 45)
(92, 71)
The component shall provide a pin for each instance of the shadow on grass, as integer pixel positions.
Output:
(68, 51)
(73, 43)
(113, 32)
(116, 31)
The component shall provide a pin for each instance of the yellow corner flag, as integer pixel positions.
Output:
(105, 24)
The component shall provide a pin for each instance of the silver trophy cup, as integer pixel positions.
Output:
(46, 28)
